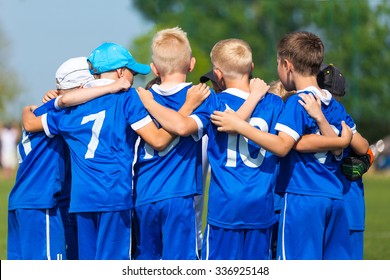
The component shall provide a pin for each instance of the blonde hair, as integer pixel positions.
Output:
(171, 51)
(233, 57)
(277, 88)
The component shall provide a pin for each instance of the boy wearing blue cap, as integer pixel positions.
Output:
(101, 135)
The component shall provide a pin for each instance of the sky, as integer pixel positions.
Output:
(42, 34)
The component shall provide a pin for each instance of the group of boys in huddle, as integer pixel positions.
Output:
(104, 166)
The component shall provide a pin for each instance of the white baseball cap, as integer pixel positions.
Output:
(73, 73)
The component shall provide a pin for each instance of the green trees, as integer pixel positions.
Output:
(9, 88)
(355, 34)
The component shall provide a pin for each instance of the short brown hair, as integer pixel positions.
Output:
(305, 50)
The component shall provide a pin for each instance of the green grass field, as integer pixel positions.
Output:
(377, 235)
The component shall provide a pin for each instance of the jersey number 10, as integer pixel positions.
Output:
(243, 147)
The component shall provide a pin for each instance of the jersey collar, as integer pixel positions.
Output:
(324, 99)
(166, 92)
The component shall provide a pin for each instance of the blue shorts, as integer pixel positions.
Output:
(35, 234)
(357, 244)
(166, 230)
(236, 244)
(70, 228)
(104, 235)
(313, 228)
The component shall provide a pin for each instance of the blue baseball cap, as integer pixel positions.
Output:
(110, 56)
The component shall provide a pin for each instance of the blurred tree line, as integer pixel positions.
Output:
(355, 33)
(9, 87)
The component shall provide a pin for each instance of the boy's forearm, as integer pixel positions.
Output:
(312, 143)
(246, 109)
(270, 142)
(186, 109)
(162, 141)
(82, 95)
(31, 123)
(258, 89)
(359, 144)
(157, 138)
(170, 120)
(327, 130)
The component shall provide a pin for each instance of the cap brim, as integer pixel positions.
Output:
(209, 76)
(139, 68)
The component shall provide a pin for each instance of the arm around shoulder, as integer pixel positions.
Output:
(359, 144)
(83, 95)
(158, 139)
(31, 123)
(169, 119)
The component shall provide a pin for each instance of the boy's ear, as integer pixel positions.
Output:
(218, 73)
(220, 81)
(119, 72)
(154, 69)
(289, 66)
(192, 64)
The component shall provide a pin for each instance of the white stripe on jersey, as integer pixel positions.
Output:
(141, 123)
(207, 242)
(48, 234)
(288, 130)
(284, 223)
(45, 126)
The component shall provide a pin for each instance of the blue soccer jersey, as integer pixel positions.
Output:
(310, 173)
(41, 173)
(176, 171)
(354, 199)
(242, 173)
(35, 229)
(101, 137)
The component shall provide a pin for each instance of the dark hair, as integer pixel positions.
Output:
(156, 80)
(305, 50)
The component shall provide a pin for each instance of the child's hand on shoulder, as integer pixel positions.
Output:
(197, 94)
(227, 121)
(258, 87)
(119, 85)
(144, 94)
(346, 134)
(312, 105)
(49, 95)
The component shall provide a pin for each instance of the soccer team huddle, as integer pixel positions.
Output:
(108, 172)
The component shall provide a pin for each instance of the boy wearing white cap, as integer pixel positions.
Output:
(42, 186)
(101, 135)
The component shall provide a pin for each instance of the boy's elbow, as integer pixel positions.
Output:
(27, 126)
(183, 131)
(160, 146)
(281, 153)
(282, 150)
(63, 102)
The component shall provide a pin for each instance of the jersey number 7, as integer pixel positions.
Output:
(98, 120)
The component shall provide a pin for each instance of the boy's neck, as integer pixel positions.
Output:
(171, 80)
(241, 84)
(307, 81)
(109, 75)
